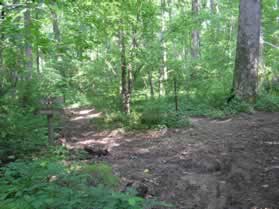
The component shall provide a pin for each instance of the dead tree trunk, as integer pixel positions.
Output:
(247, 52)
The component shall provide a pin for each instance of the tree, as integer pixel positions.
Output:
(2, 17)
(28, 40)
(124, 85)
(195, 32)
(247, 52)
(163, 74)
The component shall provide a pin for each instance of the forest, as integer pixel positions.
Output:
(139, 104)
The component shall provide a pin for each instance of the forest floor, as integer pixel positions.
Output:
(214, 164)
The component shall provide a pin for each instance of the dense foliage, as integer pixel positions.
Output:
(74, 49)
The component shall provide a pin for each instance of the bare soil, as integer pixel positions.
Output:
(215, 164)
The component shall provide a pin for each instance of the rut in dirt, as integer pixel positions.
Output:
(215, 164)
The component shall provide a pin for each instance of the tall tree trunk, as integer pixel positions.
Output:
(163, 74)
(195, 33)
(38, 59)
(28, 41)
(212, 6)
(58, 55)
(124, 73)
(37, 47)
(131, 65)
(247, 52)
(55, 25)
(261, 54)
(129, 88)
(2, 17)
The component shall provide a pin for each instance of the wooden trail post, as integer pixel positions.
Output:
(50, 109)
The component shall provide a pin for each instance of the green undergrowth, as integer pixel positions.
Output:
(149, 119)
(268, 103)
(50, 184)
(157, 113)
(22, 133)
(57, 180)
(35, 175)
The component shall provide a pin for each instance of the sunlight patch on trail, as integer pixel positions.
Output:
(107, 141)
(86, 114)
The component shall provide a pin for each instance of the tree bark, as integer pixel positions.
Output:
(247, 52)
(195, 33)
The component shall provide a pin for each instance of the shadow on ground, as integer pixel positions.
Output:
(216, 164)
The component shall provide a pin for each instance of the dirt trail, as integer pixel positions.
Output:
(215, 164)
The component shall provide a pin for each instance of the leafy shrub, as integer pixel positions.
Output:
(116, 120)
(151, 118)
(45, 184)
(101, 174)
(270, 86)
(237, 106)
(21, 132)
(196, 109)
(177, 120)
(268, 103)
(109, 121)
(169, 119)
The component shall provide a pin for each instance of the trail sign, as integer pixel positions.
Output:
(52, 101)
(51, 107)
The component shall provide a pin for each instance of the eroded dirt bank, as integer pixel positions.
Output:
(216, 164)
